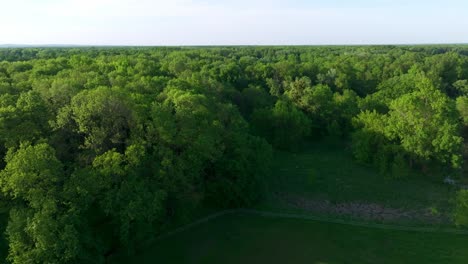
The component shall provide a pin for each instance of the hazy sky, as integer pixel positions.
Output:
(232, 22)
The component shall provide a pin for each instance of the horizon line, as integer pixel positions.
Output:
(10, 45)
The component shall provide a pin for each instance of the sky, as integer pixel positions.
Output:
(233, 22)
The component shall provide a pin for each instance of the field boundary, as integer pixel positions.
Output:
(313, 218)
(354, 223)
(197, 222)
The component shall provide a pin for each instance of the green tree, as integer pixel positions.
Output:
(425, 123)
(39, 230)
(23, 120)
(102, 116)
(284, 126)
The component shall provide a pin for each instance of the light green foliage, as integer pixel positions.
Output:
(58, 92)
(370, 136)
(445, 69)
(426, 125)
(31, 173)
(330, 112)
(461, 86)
(371, 146)
(185, 122)
(102, 116)
(38, 229)
(296, 89)
(422, 123)
(23, 120)
(276, 89)
(131, 200)
(318, 101)
(462, 107)
(393, 88)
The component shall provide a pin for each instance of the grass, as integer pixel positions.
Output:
(322, 171)
(327, 171)
(242, 238)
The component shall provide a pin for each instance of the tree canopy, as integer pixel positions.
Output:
(102, 149)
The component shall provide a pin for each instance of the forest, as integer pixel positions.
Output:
(104, 149)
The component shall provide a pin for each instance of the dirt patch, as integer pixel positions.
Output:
(366, 211)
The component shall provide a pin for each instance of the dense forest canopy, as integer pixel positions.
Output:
(104, 148)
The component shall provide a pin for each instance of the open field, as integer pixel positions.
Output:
(322, 172)
(243, 238)
(326, 175)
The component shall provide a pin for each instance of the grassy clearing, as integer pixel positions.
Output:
(242, 238)
(327, 171)
(323, 171)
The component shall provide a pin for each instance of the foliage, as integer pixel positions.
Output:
(461, 209)
(103, 148)
(284, 126)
